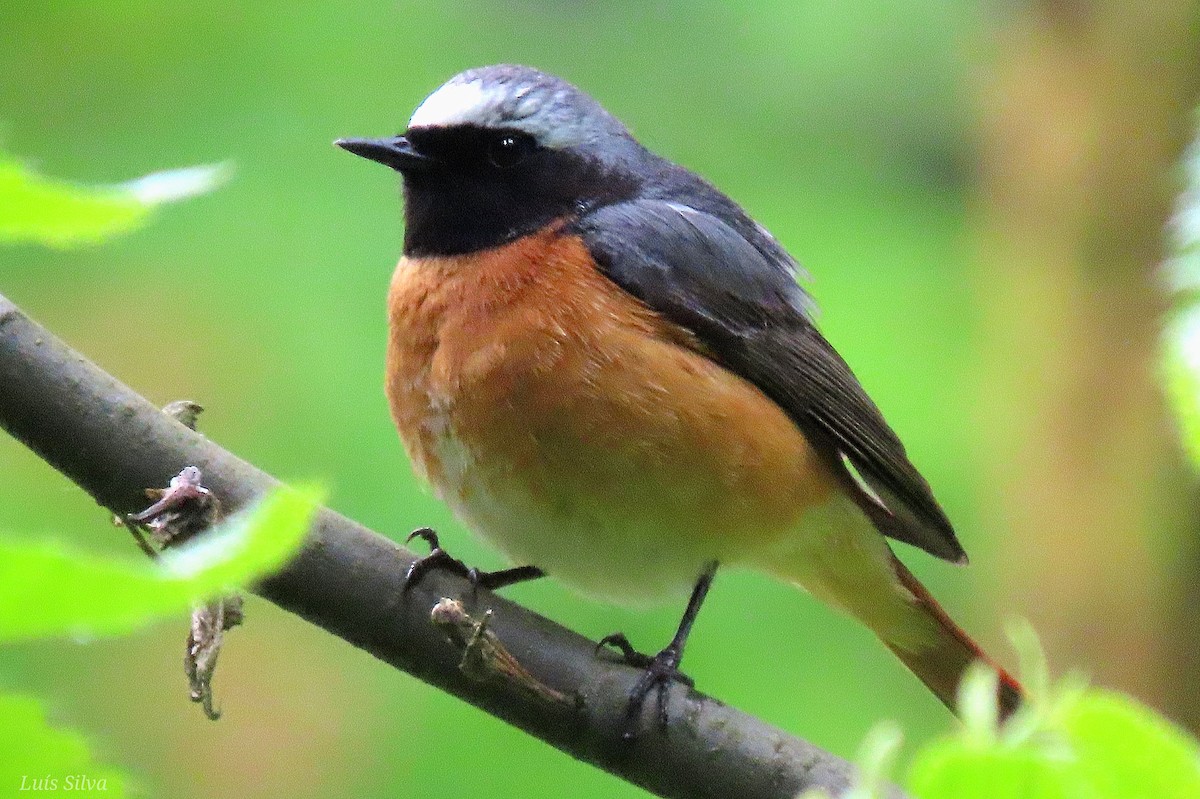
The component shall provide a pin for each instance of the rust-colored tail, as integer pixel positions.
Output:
(941, 666)
(840, 558)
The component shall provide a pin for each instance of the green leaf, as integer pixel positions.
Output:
(42, 210)
(46, 761)
(1075, 744)
(1064, 742)
(1024, 759)
(50, 589)
(948, 769)
(1126, 750)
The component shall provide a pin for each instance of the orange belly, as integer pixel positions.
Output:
(579, 431)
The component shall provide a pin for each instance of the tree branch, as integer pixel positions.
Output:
(113, 443)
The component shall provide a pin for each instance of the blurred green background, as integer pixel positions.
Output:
(938, 166)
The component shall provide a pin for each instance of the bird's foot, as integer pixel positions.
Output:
(658, 672)
(438, 558)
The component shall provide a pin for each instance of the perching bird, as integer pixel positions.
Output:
(608, 369)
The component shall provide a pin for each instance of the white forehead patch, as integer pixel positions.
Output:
(452, 104)
(497, 105)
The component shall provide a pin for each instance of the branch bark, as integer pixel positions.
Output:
(113, 443)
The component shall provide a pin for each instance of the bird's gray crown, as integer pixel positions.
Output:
(555, 113)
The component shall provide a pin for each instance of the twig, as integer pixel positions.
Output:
(206, 636)
(184, 509)
(181, 510)
(113, 443)
(136, 532)
(484, 657)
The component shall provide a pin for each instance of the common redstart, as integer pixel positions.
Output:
(609, 370)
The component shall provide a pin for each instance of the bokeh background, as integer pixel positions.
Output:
(977, 189)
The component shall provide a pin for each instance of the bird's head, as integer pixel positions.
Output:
(499, 152)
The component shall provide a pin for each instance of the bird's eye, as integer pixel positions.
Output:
(509, 149)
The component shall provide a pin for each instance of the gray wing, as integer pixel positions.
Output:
(738, 294)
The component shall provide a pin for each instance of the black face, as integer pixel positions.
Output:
(468, 188)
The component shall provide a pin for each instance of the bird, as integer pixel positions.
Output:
(611, 372)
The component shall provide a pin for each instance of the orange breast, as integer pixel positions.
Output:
(579, 430)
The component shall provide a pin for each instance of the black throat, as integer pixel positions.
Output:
(464, 204)
(455, 217)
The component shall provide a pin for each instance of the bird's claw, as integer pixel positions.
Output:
(658, 672)
(631, 655)
(658, 676)
(437, 558)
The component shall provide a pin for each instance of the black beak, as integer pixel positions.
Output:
(396, 152)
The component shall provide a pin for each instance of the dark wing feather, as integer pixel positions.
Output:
(738, 294)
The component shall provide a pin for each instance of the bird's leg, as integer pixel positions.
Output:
(438, 558)
(661, 669)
